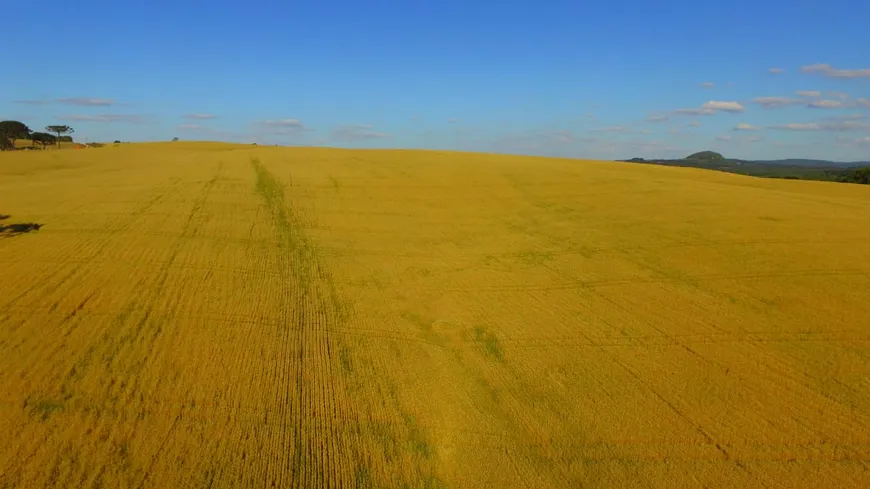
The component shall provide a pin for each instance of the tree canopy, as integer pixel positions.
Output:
(60, 130)
(860, 175)
(43, 138)
(10, 131)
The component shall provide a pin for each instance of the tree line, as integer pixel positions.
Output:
(12, 130)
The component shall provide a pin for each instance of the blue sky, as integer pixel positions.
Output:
(593, 79)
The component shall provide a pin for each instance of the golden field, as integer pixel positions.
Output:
(214, 315)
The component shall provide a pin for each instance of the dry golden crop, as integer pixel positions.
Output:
(215, 315)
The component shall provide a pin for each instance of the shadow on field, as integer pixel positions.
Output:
(10, 230)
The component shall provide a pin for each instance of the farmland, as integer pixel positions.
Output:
(215, 315)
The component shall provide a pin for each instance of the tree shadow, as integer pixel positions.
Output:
(10, 230)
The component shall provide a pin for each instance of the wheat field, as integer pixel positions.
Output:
(204, 315)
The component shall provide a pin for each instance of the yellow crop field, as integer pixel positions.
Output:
(204, 315)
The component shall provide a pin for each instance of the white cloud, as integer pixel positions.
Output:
(830, 71)
(356, 132)
(723, 106)
(863, 102)
(745, 127)
(724, 137)
(773, 102)
(190, 127)
(826, 104)
(200, 116)
(708, 85)
(695, 123)
(776, 71)
(674, 131)
(834, 93)
(809, 93)
(753, 139)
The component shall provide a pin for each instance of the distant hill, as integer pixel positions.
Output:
(706, 156)
(792, 168)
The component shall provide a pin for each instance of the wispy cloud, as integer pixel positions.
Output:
(284, 123)
(560, 137)
(34, 102)
(200, 116)
(79, 101)
(708, 85)
(823, 126)
(777, 102)
(863, 102)
(847, 117)
(798, 126)
(774, 102)
(563, 137)
(862, 140)
(776, 71)
(700, 111)
(724, 137)
(292, 128)
(106, 118)
(745, 127)
(826, 104)
(657, 118)
(356, 132)
(711, 107)
(723, 106)
(836, 94)
(828, 70)
(191, 127)
(610, 129)
(695, 123)
(86, 102)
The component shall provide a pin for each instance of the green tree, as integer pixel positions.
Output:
(860, 175)
(43, 138)
(60, 130)
(10, 131)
